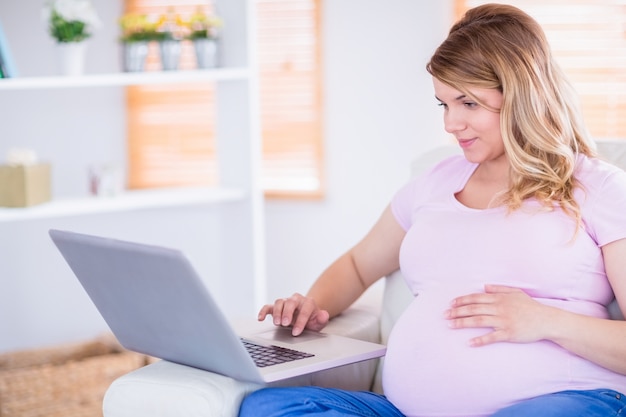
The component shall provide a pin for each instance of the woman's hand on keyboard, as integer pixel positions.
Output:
(297, 311)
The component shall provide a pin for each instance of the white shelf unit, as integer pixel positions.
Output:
(125, 79)
(129, 200)
(238, 200)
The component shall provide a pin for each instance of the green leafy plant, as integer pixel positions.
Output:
(139, 28)
(70, 20)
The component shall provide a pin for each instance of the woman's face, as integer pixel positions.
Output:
(476, 128)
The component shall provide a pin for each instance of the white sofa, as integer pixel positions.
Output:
(165, 389)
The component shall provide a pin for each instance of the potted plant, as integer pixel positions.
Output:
(137, 31)
(70, 23)
(204, 31)
(170, 30)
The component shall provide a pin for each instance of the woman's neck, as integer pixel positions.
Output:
(489, 181)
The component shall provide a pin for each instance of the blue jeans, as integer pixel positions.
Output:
(595, 403)
(329, 402)
(299, 401)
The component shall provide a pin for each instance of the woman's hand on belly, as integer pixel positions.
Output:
(512, 315)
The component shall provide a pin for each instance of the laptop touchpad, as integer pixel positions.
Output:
(283, 335)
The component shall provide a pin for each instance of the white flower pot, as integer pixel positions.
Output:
(206, 52)
(72, 58)
(170, 54)
(134, 56)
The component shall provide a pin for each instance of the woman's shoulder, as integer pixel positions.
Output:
(441, 177)
(602, 198)
(432, 184)
(436, 180)
(447, 167)
(595, 172)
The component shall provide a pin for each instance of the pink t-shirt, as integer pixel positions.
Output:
(452, 250)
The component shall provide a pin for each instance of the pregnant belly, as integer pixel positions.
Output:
(430, 369)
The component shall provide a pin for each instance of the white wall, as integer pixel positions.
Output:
(380, 112)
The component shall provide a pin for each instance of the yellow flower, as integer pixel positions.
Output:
(203, 25)
(138, 27)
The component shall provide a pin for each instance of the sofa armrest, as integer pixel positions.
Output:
(361, 320)
(165, 389)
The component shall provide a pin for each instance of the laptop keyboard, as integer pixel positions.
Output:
(272, 355)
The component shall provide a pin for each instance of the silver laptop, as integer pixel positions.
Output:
(155, 303)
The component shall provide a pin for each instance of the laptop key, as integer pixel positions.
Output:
(272, 355)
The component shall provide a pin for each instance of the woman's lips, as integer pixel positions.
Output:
(466, 143)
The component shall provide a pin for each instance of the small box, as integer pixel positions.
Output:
(24, 185)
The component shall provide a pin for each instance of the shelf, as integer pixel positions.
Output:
(124, 79)
(128, 201)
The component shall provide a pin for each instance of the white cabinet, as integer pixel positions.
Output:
(235, 207)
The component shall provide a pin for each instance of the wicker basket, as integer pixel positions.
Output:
(65, 381)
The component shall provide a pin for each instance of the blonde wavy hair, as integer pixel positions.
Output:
(501, 47)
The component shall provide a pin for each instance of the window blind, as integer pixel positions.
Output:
(171, 130)
(290, 90)
(171, 139)
(588, 39)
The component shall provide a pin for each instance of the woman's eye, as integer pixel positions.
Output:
(444, 105)
(469, 104)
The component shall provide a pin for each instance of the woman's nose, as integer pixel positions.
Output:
(453, 122)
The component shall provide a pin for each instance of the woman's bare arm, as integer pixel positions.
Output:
(375, 256)
(601, 341)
